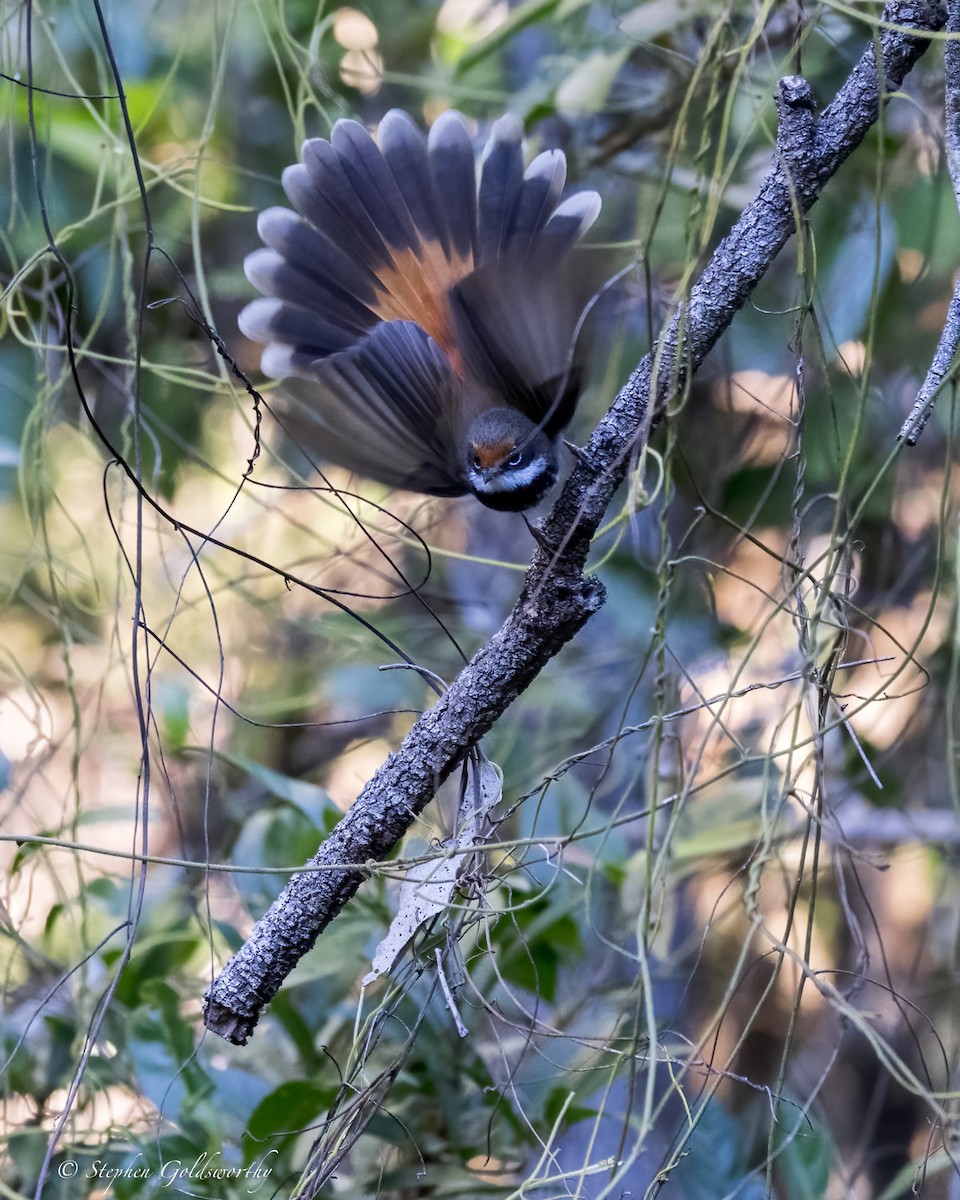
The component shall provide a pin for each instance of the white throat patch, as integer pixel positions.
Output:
(510, 479)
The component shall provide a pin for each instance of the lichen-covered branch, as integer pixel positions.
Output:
(557, 598)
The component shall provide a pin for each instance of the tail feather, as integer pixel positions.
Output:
(409, 278)
(540, 193)
(287, 363)
(276, 276)
(320, 191)
(313, 253)
(453, 167)
(271, 320)
(373, 184)
(501, 180)
(405, 153)
(517, 329)
(383, 408)
(567, 224)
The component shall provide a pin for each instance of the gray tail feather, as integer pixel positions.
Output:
(501, 181)
(273, 320)
(566, 225)
(320, 190)
(539, 196)
(374, 185)
(405, 153)
(454, 180)
(282, 279)
(316, 255)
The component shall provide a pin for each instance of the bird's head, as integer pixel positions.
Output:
(510, 463)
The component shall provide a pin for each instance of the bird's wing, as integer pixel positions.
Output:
(382, 408)
(516, 316)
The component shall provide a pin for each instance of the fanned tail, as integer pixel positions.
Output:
(474, 275)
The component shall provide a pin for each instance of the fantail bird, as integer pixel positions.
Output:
(424, 326)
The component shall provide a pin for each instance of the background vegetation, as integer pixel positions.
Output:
(713, 947)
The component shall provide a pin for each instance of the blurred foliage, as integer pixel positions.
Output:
(714, 951)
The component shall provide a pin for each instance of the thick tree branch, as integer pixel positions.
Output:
(557, 599)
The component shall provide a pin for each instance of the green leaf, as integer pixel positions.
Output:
(805, 1154)
(61, 1053)
(535, 939)
(286, 1013)
(165, 1001)
(26, 1149)
(572, 1114)
(714, 1162)
(279, 837)
(307, 798)
(172, 705)
(288, 1110)
(724, 819)
(154, 959)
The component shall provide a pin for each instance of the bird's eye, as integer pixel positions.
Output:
(476, 462)
(515, 459)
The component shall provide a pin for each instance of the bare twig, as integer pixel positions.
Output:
(557, 598)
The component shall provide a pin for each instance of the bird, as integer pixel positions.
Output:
(421, 315)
